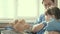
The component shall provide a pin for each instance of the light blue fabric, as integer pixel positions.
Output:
(9, 28)
(53, 25)
(41, 20)
(43, 29)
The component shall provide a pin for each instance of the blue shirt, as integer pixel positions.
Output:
(53, 25)
(43, 29)
(41, 20)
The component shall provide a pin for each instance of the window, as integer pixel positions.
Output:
(27, 8)
(58, 3)
(41, 7)
(13, 9)
(18, 8)
(7, 9)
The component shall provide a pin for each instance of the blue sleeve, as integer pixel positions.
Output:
(42, 30)
(41, 18)
(45, 24)
(51, 26)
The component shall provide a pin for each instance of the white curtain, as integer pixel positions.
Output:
(20, 8)
(7, 9)
(27, 8)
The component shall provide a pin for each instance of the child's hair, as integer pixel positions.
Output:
(51, 0)
(53, 11)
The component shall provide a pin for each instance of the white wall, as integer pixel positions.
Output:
(41, 8)
(59, 3)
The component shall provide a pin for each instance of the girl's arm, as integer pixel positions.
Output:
(38, 27)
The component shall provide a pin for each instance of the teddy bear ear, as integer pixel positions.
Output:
(13, 22)
(22, 21)
(16, 21)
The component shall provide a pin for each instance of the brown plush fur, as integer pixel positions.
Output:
(20, 25)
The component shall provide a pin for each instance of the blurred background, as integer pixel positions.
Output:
(30, 10)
